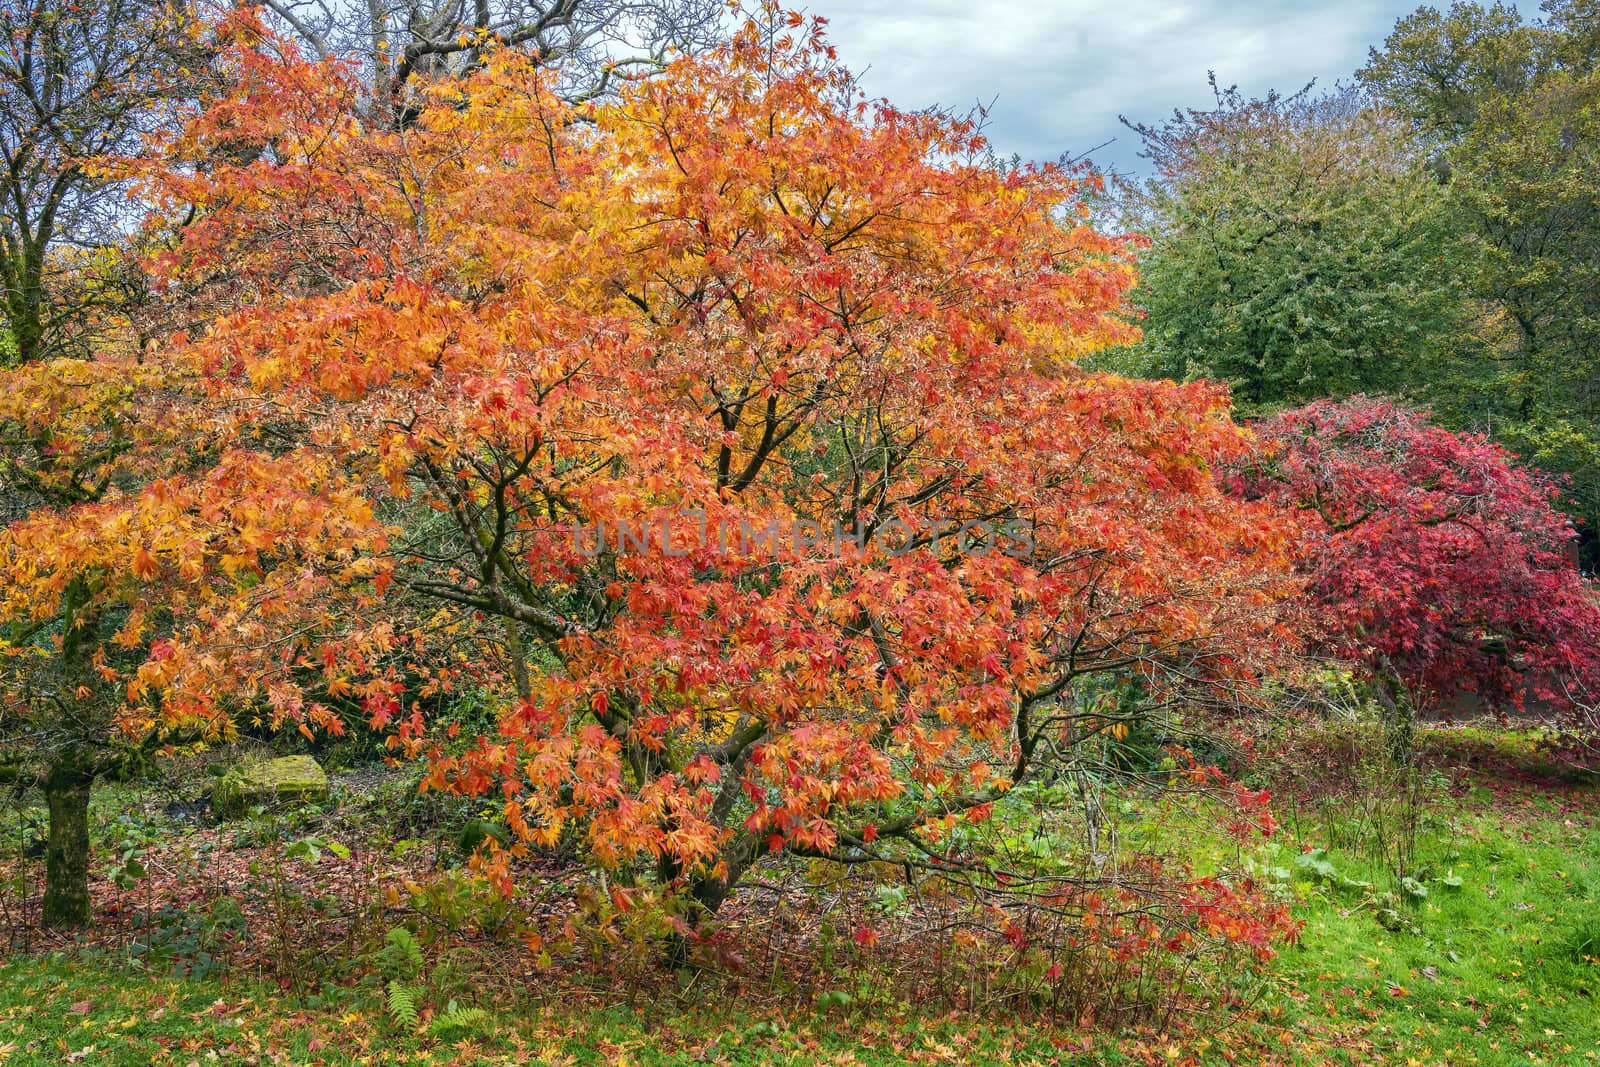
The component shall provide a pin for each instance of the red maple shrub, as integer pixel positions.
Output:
(1434, 562)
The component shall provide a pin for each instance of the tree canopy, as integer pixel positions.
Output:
(1299, 247)
(742, 414)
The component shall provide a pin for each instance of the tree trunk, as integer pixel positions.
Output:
(1399, 718)
(66, 882)
(1402, 736)
(517, 653)
(24, 279)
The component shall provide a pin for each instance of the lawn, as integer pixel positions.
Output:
(1490, 955)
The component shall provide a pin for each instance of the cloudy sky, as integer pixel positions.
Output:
(1061, 71)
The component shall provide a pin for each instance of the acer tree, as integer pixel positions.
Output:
(742, 414)
(141, 600)
(163, 582)
(1437, 564)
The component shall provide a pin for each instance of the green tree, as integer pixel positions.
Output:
(1510, 110)
(1300, 248)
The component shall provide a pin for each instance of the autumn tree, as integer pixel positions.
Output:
(164, 574)
(1299, 247)
(132, 523)
(1437, 565)
(167, 583)
(743, 412)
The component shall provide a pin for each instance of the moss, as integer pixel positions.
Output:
(288, 779)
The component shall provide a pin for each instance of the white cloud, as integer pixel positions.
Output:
(1061, 71)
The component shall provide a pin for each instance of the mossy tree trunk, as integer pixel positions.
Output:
(22, 272)
(1399, 716)
(75, 763)
(66, 883)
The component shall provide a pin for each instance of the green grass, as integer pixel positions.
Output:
(95, 1012)
(1502, 969)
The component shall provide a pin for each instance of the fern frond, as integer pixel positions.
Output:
(403, 1005)
(454, 1023)
(402, 956)
(406, 945)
